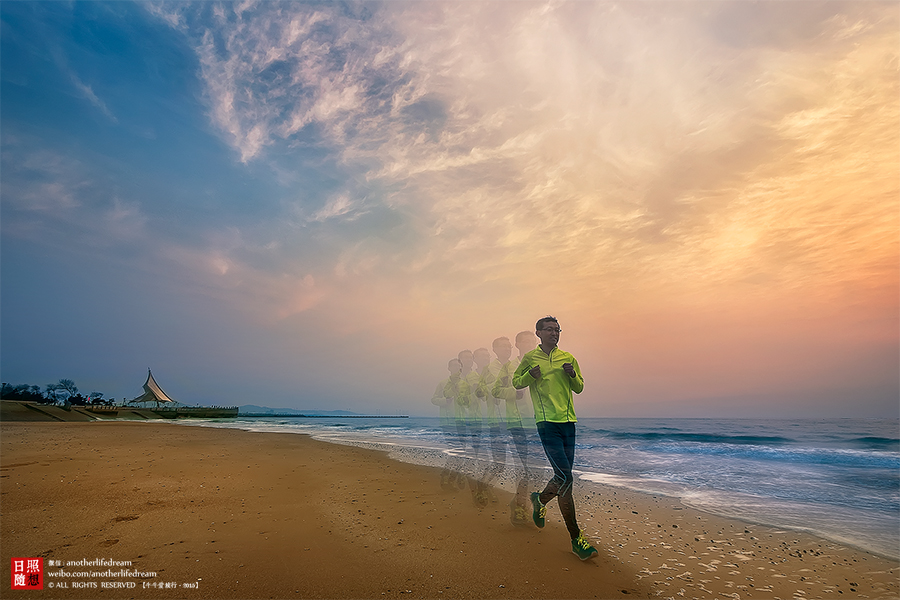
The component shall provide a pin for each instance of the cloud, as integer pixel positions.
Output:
(272, 69)
(160, 10)
(39, 180)
(125, 221)
(336, 207)
(623, 146)
(693, 179)
(89, 94)
(53, 198)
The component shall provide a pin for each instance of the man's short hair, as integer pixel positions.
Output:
(548, 319)
(501, 340)
(523, 335)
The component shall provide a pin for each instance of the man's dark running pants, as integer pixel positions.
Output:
(558, 440)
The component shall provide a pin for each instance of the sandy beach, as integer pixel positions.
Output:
(218, 513)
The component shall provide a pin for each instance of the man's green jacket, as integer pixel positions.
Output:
(551, 394)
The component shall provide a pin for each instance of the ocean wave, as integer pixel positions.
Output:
(813, 456)
(707, 438)
(877, 443)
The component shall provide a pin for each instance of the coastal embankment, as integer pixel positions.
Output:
(12, 410)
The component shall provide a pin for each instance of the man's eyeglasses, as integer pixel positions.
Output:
(552, 330)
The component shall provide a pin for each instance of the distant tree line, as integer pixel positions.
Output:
(62, 392)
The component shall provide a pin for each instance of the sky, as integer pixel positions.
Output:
(317, 205)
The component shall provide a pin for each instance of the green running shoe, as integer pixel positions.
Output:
(582, 548)
(539, 509)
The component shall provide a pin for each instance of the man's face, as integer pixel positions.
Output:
(525, 342)
(482, 357)
(466, 358)
(549, 334)
(503, 350)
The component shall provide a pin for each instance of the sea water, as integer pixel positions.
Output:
(837, 478)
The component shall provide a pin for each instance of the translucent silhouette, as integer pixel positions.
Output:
(519, 420)
(469, 422)
(487, 370)
(446, 396)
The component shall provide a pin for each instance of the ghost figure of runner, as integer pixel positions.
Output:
(446, 396)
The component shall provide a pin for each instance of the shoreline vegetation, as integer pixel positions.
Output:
(280, 515)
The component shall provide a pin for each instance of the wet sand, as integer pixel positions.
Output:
(277, 515)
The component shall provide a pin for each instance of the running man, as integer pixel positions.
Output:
(552, 375)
